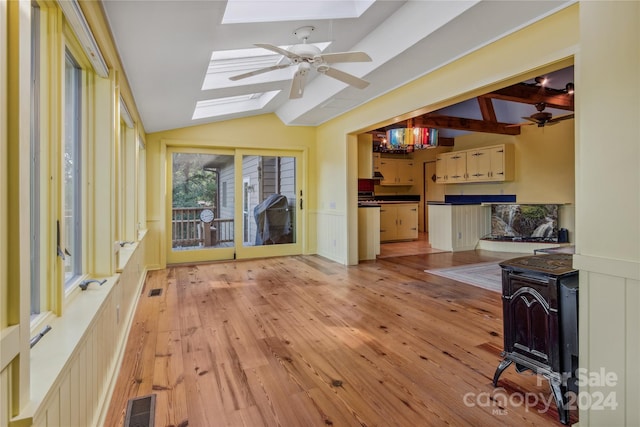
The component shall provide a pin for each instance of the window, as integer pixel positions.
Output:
(71, 170)
(36, 291)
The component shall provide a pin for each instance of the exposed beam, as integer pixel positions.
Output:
(530, 94)
(471, 125)
(486, 108)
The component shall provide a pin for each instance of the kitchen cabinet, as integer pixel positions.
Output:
(398, 221)
(365, 156)
(376, 163)
(451, 167)
(396, 171)
(490, 164)
(486, 164)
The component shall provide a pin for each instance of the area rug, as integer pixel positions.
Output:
(487, 275)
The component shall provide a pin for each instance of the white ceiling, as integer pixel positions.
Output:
(166, 46)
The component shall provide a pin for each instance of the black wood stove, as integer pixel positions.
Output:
(540, 307)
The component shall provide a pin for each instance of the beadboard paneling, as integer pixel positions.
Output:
(81, 392)
(331, 235)
(457, 227)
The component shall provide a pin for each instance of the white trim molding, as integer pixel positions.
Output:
(77, 21)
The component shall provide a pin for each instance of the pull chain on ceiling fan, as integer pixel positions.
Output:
(308, 56)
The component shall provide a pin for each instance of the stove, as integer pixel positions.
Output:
(366, 196)
(540, 320)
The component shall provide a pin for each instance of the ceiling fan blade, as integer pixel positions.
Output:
(297, 84)
(260, 71)
(561, 118)
(332, 58)
(518, 124)
(277, 49)
(537, 122)
(347, 78)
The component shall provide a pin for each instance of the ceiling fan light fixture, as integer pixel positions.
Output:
(570, 88)
(541, 81)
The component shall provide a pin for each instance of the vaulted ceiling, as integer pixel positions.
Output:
(168, 49)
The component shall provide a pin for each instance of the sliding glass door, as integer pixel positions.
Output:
(212, 218)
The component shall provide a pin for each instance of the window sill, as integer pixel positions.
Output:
(124, 254)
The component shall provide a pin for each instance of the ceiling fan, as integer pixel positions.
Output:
(308, 56)
(544, 118)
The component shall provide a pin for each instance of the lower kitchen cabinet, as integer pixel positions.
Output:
(398, 222)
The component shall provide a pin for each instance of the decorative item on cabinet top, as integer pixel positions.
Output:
(485, 164)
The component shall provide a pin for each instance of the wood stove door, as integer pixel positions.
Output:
(531, 319)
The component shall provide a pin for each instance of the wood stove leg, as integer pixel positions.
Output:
(560, 396)
(501, 367)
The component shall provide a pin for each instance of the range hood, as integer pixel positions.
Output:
(377, 176)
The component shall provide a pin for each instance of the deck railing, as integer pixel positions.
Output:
(189, 231)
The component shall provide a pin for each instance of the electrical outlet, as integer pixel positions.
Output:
(459, 234)
(118, 314)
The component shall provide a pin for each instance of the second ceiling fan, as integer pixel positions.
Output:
(544, 118)
(308, 56)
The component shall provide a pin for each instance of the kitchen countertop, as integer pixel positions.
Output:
(452, 203)
(373, 203)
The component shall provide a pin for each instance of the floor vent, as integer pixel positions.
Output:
(141, 411)
(155, 292)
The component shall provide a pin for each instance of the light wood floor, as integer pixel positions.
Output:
(303, 341)
(412, 247)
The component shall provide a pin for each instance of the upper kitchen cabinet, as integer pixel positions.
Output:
(486, 164)
(490, 163)
(396, 171)
(365, 156)
(451, 167)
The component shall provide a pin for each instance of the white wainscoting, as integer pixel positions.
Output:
(74, 367)
(458, 227)
(332, 235)
(609, 300)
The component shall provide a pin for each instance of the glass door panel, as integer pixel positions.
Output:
(201, 213)
(270, 201)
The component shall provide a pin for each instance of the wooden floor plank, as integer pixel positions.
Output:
(303, 341)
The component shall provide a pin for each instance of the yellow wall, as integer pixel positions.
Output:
(258, 132)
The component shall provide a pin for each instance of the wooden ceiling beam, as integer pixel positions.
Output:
(459, 123)
(486, 108)
(530, 94)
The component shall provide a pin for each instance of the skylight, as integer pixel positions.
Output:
(232, 104)
(227, 63)
(245, 11)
